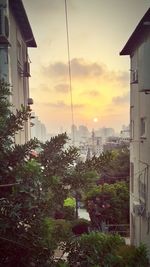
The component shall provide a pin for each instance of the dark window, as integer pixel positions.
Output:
(132, 176)
(143, 126)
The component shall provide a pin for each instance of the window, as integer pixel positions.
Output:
(24, 52)
(1, 29)
(132, 129)
(132, 235)
(132, 176)
(19, 52)
(5, 56)
(19, 58)
(143, 127)
(134, 76)
(142, 190)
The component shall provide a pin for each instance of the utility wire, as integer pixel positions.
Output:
(69, 72)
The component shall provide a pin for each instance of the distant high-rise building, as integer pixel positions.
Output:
(74, 132)
(88, 156)
(105, 132)
(38, 129)
(125, 132)
(83, 132)
(95, 144)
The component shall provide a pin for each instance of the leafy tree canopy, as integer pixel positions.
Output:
(30, 189)
(109, 203)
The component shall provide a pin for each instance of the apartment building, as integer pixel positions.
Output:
(138, 48)
(38, 129)
(15, 38)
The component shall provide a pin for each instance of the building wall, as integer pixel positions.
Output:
(12, 58)
(4, 60)
(140, 144)
(4, 63)
(20, 85)
(38, 129)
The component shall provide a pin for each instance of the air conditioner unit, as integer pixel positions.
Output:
(26, 72)
(31, 124)
(4, 26)
(138, 208)
(30, 101)
(134, 76)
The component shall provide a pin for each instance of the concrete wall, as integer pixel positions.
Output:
(20, 85)
(12, 58)
(140, 144)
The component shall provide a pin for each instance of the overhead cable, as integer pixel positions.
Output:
(69, 72)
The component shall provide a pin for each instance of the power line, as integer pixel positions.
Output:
(69, 72)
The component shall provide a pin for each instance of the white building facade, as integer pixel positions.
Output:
(15, 38)
(38, 129)
(138, 48)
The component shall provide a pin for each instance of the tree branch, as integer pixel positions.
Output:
(8, 185)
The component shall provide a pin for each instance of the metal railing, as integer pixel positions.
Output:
(121, 229)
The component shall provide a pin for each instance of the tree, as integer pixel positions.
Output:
(20, 179)
(120, 165)
(30, 189)
(109, 203)
(100, 250)
(80, 180)
(22, 199)
(94, 249)
(111, 166)
(11, 155)
(57, 163)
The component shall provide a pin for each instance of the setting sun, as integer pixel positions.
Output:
(95, 119)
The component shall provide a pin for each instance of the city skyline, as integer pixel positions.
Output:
(37, 125)
(100, 77)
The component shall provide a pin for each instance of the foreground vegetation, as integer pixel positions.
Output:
(101, 250)
(35, 217)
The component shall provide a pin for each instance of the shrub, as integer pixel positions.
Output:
(100, 250)
(80, 226)
(133, 256)
(69, 213)
(70, 202)
(54, 232)
(61, 263)
(94, 249)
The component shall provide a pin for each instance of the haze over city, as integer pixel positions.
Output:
(98, 30)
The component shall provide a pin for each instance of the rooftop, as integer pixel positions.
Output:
(142, 28)
(23, 22)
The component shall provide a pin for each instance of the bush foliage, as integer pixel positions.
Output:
(33, 219)
(101, 250)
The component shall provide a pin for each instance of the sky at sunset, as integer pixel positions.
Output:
(98, 30)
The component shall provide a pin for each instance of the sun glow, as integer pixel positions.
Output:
(95, 119)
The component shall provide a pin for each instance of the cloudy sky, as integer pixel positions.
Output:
(98, 30)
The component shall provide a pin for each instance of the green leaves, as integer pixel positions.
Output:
(54, 232)
(33, 194)
(110, 200)
(55, 158)
(31, 190)
(70, 202)
(131, 256)
(100, 250)
(93, 249)
(111, 165)
(20, 191)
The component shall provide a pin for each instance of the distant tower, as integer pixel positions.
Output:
(88, 156)
(93, 142)
(73, 132)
